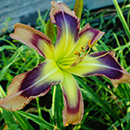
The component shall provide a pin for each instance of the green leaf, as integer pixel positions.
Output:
(14, 127)
(116, 124)
(122, 19)
(23, 122)
(57, 105)
(121, 48)
(50, 30)
(6, 114)
(7, 117)
(39, 111)
(12, 44)
(89, 93)
(104, 45)
(128, 117)
(37, 120)
(78, 8)
(6, 47)
(11, 61)
(2, 92)
(126, 6)
(41, 21)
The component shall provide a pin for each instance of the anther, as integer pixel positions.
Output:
(82, 53)
(77, 53)
(89, 43)
(82, 49)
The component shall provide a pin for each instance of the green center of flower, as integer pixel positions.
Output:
(68, 62)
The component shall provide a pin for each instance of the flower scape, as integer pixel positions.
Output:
(69, 56)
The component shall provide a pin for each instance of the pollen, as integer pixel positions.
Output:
(82, 49)
(82, 53)
(79, 56)
(89, 43)
(77, 53)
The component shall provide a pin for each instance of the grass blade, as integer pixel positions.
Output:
(57, 107)
(6, 47)
(122, 19)
(90, 93)
(22, 122)
(11, 61)
(8, 117)
(37, 120)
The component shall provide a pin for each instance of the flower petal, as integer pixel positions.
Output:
(68, 27)
(86, 35)
(88, 30)
(102, 64)
(34, 39)
(73, 102)
(32, 84)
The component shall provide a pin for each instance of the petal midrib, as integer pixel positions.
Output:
(103, 66)
(33, 84)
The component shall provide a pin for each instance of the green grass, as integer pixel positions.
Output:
(105, 107)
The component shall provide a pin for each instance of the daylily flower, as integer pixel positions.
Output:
(69, 56)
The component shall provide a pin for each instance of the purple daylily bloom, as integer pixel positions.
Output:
(68, 56)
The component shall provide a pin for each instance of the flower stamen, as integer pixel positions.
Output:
(80, 55)
(82, 49)
(89, 43)
(77, 53)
